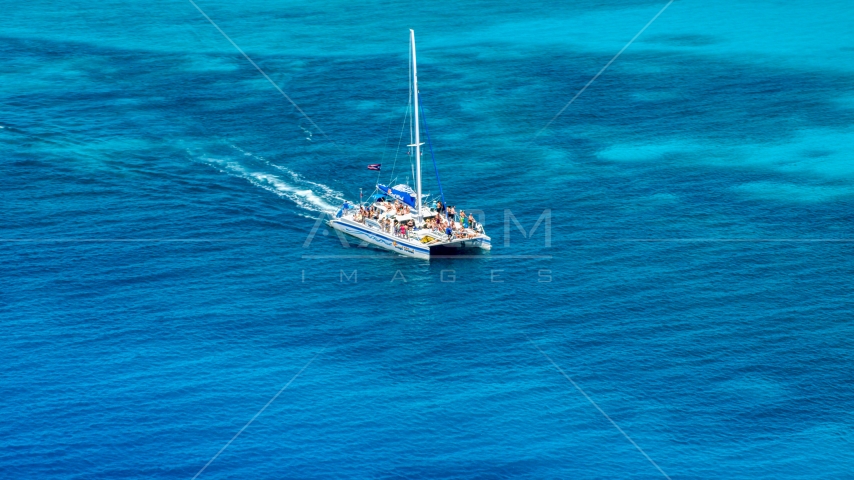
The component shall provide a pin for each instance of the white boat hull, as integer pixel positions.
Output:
(406, 246)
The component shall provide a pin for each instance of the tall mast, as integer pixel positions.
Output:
(417, 133)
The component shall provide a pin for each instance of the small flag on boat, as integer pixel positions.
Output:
(374, 166)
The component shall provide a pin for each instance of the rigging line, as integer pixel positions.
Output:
(430, 142)
(605, 67)
(385, 145)
(265, 75)
(388, 131)
(400, 139)
(412, 113)
(409, 154)
(406, 113)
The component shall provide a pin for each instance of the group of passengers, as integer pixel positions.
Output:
(453, 224)
(396, 208)
(447, 220)
(400, 229)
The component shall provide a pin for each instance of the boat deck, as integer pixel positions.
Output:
(416, 242)
(422, 236)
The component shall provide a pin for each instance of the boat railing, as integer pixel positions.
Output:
(377, 224)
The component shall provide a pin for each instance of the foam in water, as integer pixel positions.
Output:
(299, 191)
(327, 192)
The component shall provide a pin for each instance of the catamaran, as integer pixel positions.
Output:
(402, 219)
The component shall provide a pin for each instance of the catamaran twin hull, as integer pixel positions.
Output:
(407, 246)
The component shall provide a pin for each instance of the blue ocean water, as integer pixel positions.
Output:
(160, 283)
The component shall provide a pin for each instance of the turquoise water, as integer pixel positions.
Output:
(160, 283)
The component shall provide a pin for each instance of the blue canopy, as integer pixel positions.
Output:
(399, 192)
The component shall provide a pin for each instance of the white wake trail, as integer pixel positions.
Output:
(307, 195)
